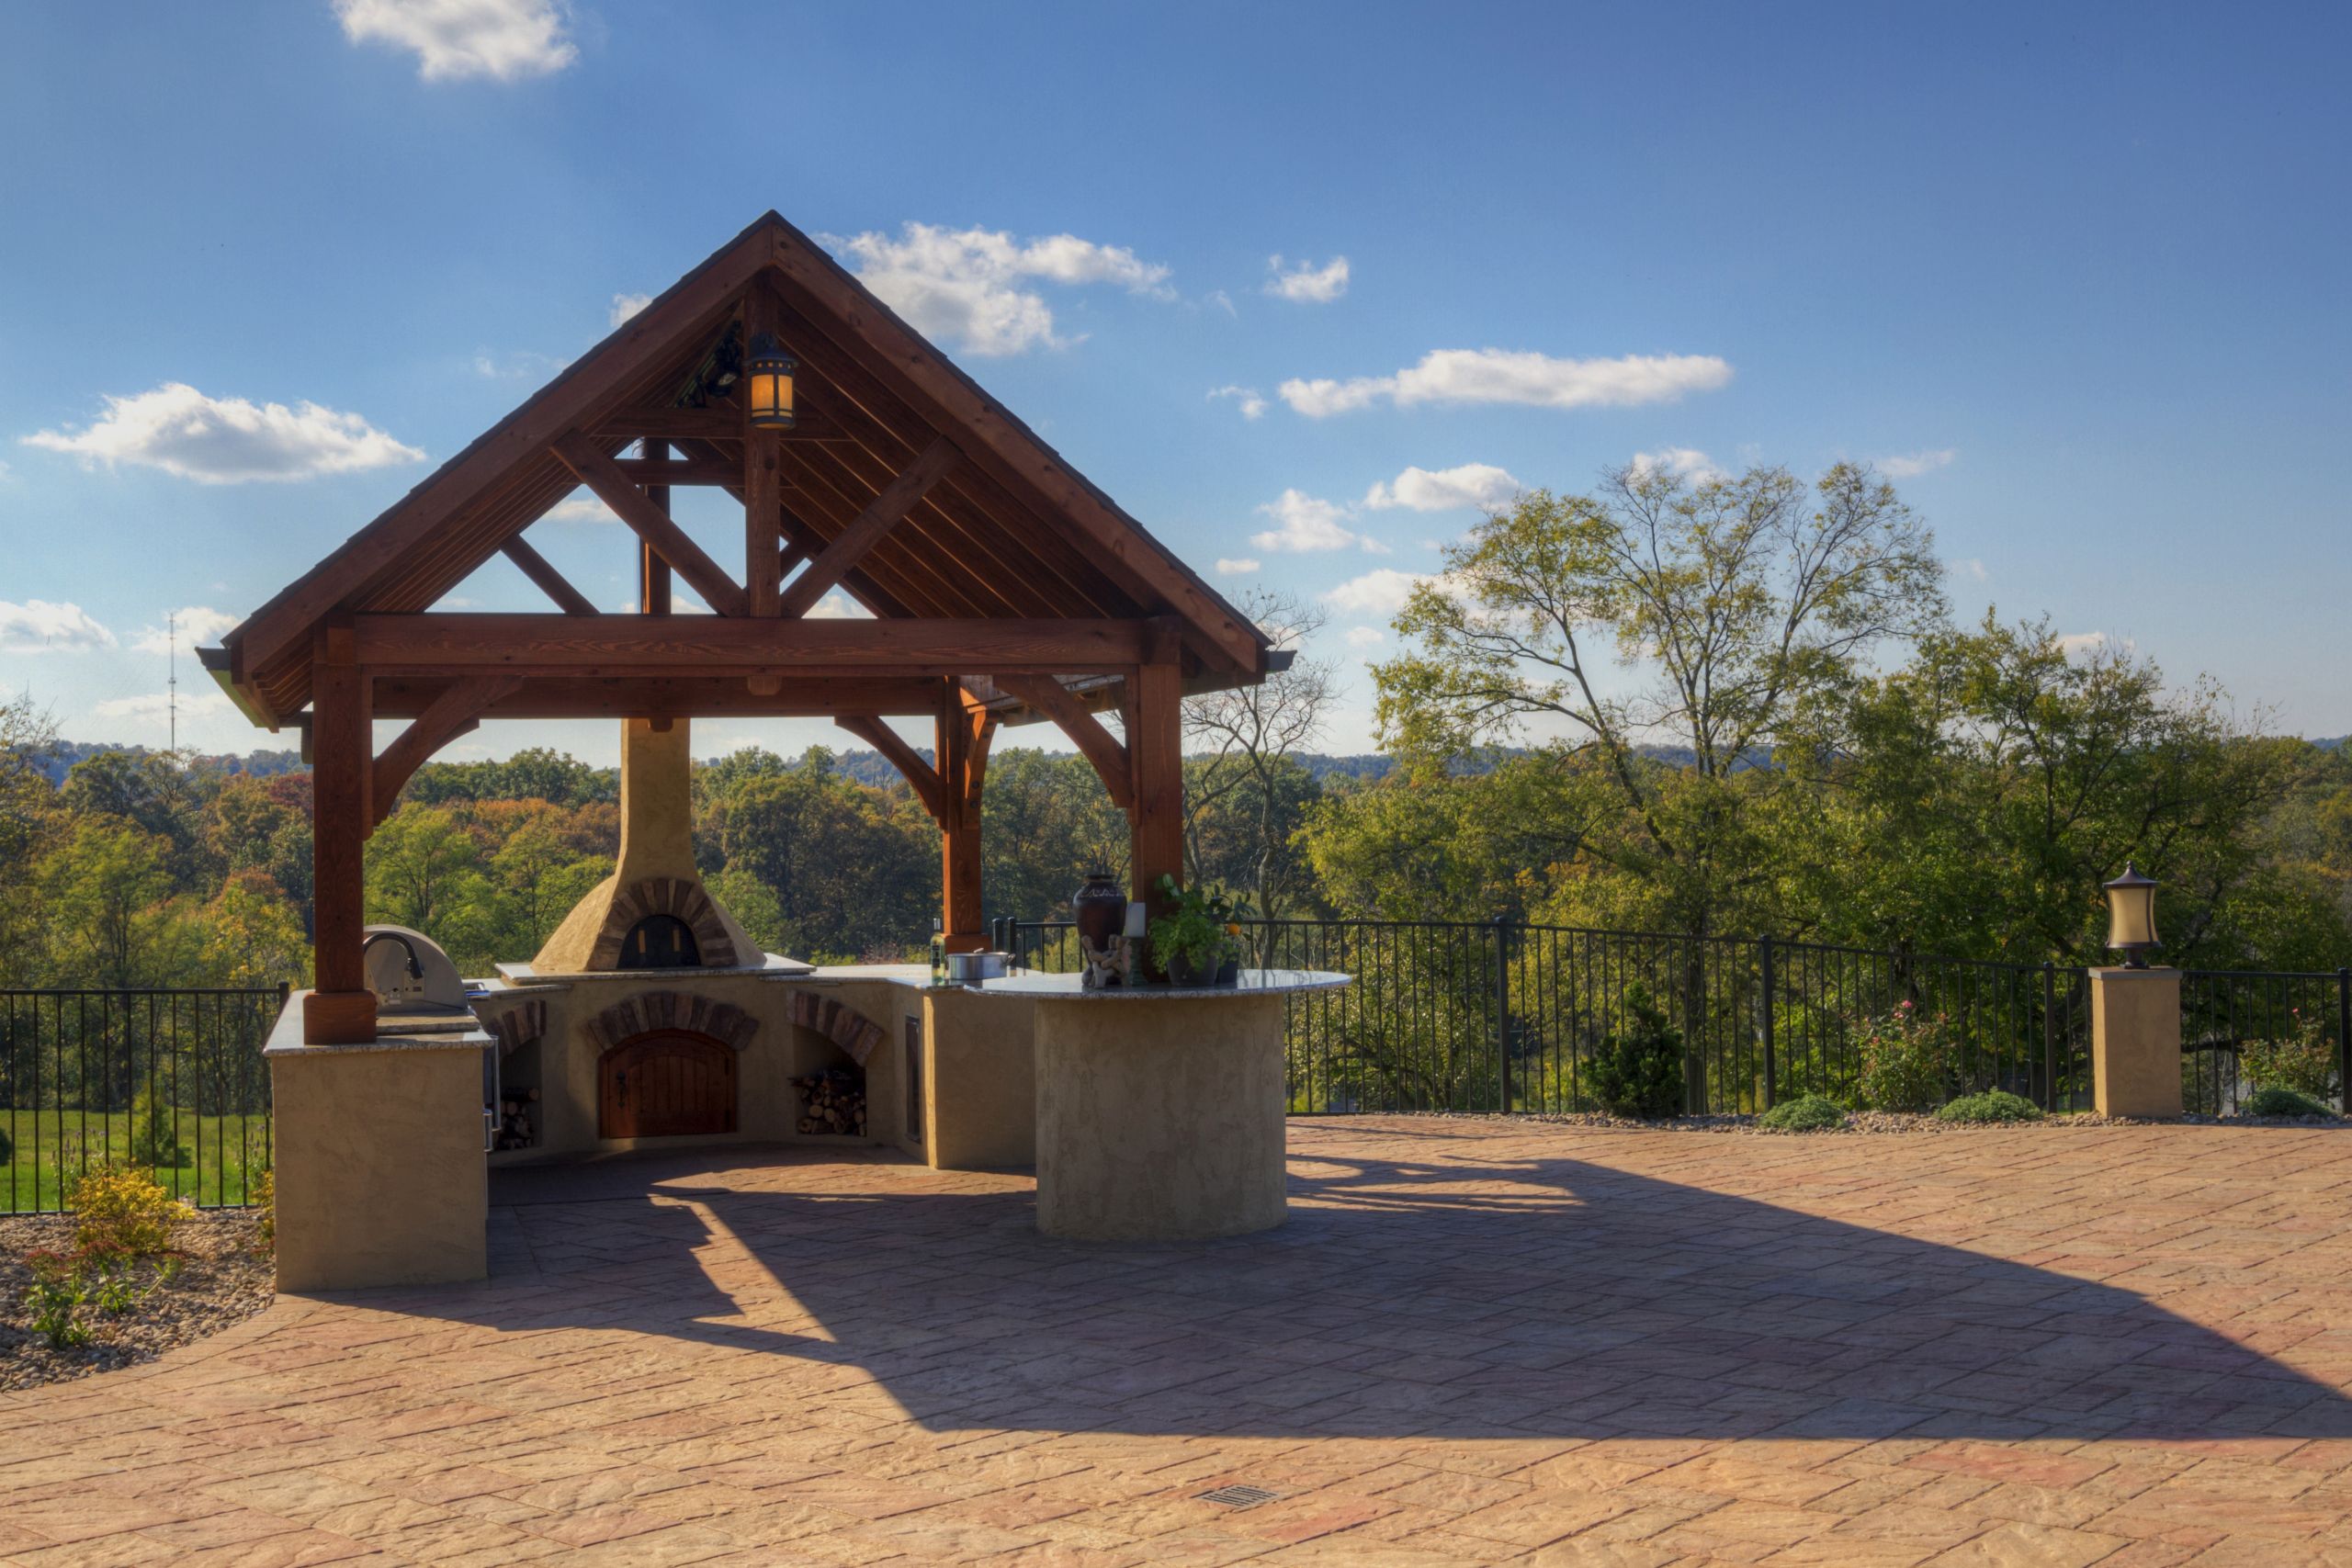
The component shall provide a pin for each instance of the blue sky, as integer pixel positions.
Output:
(2079, 279)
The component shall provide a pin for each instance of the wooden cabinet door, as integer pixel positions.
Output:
(668, 1084)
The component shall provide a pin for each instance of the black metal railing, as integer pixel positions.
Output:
(171, 1081)
(1504, 1016)
(2292, 1028)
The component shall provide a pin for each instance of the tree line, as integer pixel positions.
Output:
(1726, 705)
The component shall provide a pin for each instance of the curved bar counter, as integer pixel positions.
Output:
(1160, 1109)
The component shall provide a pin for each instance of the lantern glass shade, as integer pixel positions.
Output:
(767, 382)
(2132, 917)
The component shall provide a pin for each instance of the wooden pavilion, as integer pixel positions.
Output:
(1003, 585)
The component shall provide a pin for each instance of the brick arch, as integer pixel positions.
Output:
(649, 1010)
(679, 896)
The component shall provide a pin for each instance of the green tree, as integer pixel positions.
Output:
(106, 895)
(1245, 796)
(423, 870)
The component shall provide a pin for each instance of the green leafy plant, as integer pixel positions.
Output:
(1805, 1113)
(154, 1136)
(54, 1299)
(1638, 1070)
(2302, 1060)
(1202, 927)
(1994, 1105)
(2276, 1101)
(1909, 1058)
(123, 1212)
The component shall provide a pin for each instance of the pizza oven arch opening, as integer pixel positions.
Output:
(661, 942)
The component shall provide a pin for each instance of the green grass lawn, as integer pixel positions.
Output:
(222, 1154)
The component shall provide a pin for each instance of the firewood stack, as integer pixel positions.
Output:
(832, 1101)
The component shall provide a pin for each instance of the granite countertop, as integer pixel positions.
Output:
(1253, 983)
(286, 1037)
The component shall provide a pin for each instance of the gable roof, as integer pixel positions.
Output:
(1013, 531)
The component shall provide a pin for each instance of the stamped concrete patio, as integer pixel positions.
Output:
(1475, 1342)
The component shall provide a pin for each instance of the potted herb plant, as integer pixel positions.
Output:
(1197, 941)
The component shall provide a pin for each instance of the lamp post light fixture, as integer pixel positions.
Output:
(768, 384)
(2132, 917)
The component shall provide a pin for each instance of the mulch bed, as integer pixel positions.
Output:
(224, 1276)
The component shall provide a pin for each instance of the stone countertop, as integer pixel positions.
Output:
(1253, 983)
(286, 1037)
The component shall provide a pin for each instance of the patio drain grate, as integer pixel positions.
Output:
(1240, 1497)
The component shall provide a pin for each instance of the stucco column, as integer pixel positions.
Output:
(2135, 1042)
(379, 1164)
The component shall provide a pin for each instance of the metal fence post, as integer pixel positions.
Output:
(1767, 990)
(2344, 1036)
(1502, 1010)
(2049, 1035)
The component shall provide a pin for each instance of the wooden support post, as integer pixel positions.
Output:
(652, 571)
(1154, 751)
(340, 1010)
(762, 476)
(962, 750)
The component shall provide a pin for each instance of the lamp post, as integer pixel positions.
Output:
(768, 384)
(2132, 917)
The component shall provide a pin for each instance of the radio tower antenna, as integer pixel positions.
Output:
(172, 685)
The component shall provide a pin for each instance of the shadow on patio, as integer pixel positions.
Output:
(1550, 1298)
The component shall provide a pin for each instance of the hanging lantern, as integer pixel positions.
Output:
(2132, 917)
(767, 382)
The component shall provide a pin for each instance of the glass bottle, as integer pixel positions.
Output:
(938, 953)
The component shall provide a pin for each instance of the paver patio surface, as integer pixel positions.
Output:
(1475, 1342)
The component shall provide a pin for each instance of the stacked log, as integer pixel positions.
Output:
(832, 1101)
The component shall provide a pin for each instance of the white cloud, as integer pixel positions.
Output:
(1307, 283)
(1683, 462)
(195, 701)
(1221, 299)
(1236, 566)
(968, 284)
(581, 507)
(197, 624)
(1912, 466)
(1307, 524)
(228, 440)
(1480, 485)
(1499, 376)
(1366, 636)
(37, 626)
(1251, 401)
(1970, 568)
(628, 305)
(1378, 592)
(2082, 645)
(502, 39)
(515, 367)
(840, 606)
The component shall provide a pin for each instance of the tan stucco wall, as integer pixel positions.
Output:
(980, 1082)
(657, 839)
(768, 1107)
(379, 1169)
(1161, 1119)
(2135, 1042)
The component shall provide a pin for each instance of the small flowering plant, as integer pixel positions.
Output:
(1201, 930)
(1910, 1059)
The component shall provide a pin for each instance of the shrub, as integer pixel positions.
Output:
(1994, 1105)
(7, 1146)
(123, 1212)
(2303, 1060)
(1638, 1070)
(1909, 1059)
(1805, 1113)
(155, 1139)
(2276, 1101)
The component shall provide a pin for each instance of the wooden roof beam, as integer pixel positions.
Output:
(553, 583)
(632, 506)
(725, 646)
(921, 776)
(1111, 758)
(452, 714)
(722, 423)
(887, 512)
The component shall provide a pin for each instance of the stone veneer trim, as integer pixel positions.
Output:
(651, 1011)
(680, 896)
